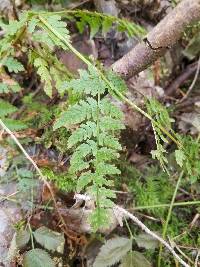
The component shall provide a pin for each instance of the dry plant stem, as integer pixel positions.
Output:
(164, 35)
(173, 244)
(37, 169)
(197, 259)
(178, 81)
(193, 82)
(169, 216)
(148, 231)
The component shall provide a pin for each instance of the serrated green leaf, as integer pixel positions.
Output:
(78, 113)
(99, 218)
(106, 169)
(49, 239)
(146, 241)
(113, 251)
(22, 238)
(180, 157)
(6, 108)
(84, 180)
(4, 88)
(37, 258)
(43, 72)
(13, 65)
(59, 26)
(32, 24)
(86, 131)
(14, 125)
(89, 83)
(110, 124)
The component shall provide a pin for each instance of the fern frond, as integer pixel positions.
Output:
(13, 65)
(109, 124)
(6, 108)
(15, 125)
(96, 146)
(89, 83)
(78, 113)
(109, 141)
(59, 26)
(97, 21)
(43, 72)
(86, 131)
(160, 113)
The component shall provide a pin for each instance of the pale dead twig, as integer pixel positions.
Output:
(148, 231)
(197, 259)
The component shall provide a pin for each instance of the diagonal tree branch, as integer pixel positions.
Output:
(163, 36)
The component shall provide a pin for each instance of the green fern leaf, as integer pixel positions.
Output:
(110, 124)
(13, 65)
(109, 109)
(78, 113)
(106, 169)
(109, 141)
(33, 22)
(6, 108)
(5, 88)
(15, 125)
(89, 83)
(59, 26)
(43, 72)
(84, 180)
(96, 145)
(86, 131)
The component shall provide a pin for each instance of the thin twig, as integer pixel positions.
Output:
(148, 231)
(174, 245)
(197, 259)
(183, 76)
(42, 177)
(193, 82)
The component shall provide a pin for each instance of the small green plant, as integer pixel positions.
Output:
(95, 120)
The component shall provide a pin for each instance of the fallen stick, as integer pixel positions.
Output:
(163, 36)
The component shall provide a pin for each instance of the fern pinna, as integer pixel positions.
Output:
(94, 141)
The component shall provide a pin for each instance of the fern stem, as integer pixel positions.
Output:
(169, 217)
(98, 132)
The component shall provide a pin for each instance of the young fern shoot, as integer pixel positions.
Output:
(94, 142)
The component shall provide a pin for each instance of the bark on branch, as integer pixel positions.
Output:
(164, 35)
